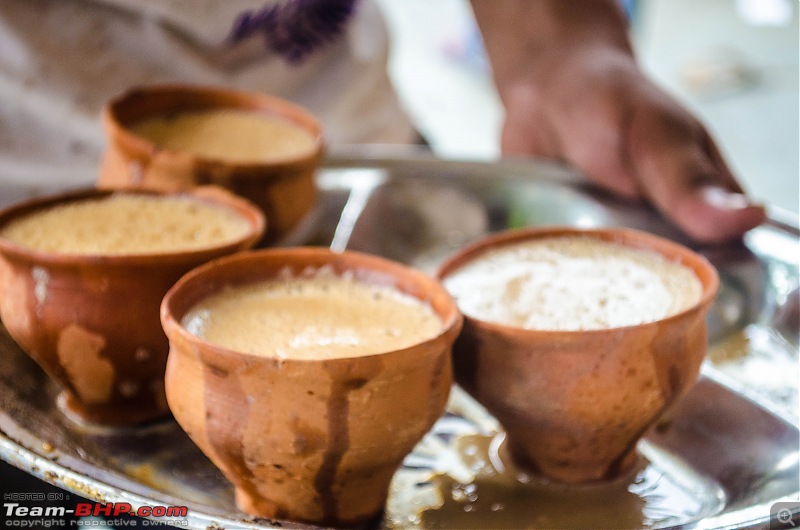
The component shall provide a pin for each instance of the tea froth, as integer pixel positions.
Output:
(234, 135)
(318, 317)
(572, 283)
(121, 224)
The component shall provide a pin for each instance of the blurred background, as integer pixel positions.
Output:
(733, 62)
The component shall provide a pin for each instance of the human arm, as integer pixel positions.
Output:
(572, 90)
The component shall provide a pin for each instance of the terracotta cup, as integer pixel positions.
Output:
(307, 440)
(283, 188)
(92, 321)
(575, 403)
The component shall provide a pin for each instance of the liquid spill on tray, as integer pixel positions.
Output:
(500, 496)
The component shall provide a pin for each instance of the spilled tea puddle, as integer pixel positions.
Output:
(474, 484)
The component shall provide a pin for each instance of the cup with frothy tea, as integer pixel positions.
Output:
(82, 275)
(307, 375)
(172, 137)
(578, 340)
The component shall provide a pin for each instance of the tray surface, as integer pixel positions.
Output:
(720, 458)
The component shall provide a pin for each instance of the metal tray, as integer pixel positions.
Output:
(721, 458)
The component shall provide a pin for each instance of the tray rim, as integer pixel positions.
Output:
(542, 169)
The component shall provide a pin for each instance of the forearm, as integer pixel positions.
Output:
(539, 33)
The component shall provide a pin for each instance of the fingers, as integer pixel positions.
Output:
(681, 171)
(630, 137)
(712, 214)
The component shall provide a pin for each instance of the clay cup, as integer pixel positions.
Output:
(92, 321)
(282, 186)
(315, 441)
(574, 404)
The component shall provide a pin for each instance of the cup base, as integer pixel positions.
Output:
(572, 472)
(105, 415)
(261, 507)
(256, 505)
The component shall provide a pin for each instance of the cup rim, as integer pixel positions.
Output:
(637, 239)
(171, 316)
(117, 114)
(215, 195)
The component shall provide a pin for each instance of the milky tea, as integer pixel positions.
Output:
(228, 134)
(123, 224)
(320, 317)
(572, 283)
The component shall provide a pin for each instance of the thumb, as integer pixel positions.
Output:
(714, 214)
(684, 176)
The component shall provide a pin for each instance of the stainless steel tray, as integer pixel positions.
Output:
(721, 458)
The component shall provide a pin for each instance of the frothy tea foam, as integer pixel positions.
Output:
(122, 224)
(319, 317)
(572, 283)
(234, 135)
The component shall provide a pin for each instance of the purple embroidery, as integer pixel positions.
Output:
(295, 28)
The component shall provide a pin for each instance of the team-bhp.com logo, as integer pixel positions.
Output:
(23, 515)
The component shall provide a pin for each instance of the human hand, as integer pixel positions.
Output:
(584, 101)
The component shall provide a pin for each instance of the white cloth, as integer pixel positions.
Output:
(61, 60)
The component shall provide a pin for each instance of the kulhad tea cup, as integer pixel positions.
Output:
(575, 403)
(282, 185)
(311, 440)
(91, 321)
